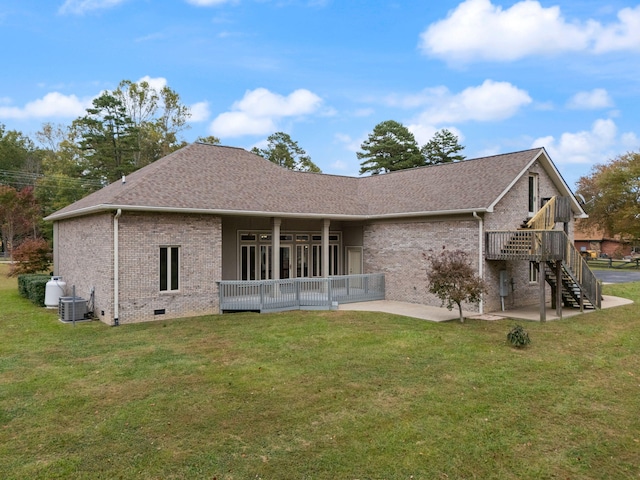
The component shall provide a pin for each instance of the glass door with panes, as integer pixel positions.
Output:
(285, 261)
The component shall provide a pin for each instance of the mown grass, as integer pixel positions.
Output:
(318, 395)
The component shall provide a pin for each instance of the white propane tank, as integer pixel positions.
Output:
(53, 291)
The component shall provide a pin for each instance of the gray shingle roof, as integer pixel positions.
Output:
(217, 179)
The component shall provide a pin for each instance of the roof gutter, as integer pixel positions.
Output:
(256, 213)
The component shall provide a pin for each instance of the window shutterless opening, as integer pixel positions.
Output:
(169, 268)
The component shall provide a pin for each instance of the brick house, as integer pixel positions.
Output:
(159, 243)
(605, 245)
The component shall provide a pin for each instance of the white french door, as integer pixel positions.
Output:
(285, 261)
(248, 264)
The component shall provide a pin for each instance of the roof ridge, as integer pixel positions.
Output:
(466, 160)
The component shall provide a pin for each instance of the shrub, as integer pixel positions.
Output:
(33, 287)
(31, 256)
(518, 337)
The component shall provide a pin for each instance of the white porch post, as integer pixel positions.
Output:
(325, 247)
(275, 246)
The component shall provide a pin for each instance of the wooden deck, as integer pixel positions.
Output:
(299, 293)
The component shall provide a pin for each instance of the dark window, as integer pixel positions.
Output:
(533, 193)
(169, 268)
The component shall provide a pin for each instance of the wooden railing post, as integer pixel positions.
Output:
(543, 303)
(559, 288)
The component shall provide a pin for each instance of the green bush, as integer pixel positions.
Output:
(518, 337)
(33, 287)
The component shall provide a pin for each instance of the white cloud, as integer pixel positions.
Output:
(262, 102)
(424, 133)
(80, 7)
(491, 101)
(207, 3)
(351, 144)
(236, 124)
(199, 112)
(479, 30)
(588, 146)
(630, 141)
(624, 35)
(259, 110)
(593, 100)
(157, 83)
(53, 104)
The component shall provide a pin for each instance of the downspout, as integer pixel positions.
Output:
(116, 283)
(480, 257)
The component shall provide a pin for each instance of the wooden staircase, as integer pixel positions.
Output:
(579, 286)
(538, 241)
(572, 294)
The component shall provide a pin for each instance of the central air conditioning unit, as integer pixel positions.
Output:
(72, 309)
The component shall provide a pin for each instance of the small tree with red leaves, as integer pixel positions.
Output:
(31, 256)
(453, 280)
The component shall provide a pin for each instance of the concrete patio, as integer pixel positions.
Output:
(436, 314)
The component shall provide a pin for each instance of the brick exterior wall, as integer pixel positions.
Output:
(508, 214)
(396, 249)
(85, 257)
(199, 238)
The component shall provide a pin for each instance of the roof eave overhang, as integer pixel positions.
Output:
(96, 209)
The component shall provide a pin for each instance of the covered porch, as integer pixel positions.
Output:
(294, 246)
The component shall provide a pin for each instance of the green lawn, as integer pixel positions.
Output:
(318, 395)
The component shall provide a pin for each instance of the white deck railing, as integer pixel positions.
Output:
(299, 293)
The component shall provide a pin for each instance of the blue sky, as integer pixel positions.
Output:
(503, 75)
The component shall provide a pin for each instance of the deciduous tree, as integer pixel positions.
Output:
(612, 193)
(31, 256)
(284, 151)
(452, 279)
(19, 158)
(391, 146)
(158, 116)
(19, 215)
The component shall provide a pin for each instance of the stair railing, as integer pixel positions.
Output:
(579, 269)
(545, 218)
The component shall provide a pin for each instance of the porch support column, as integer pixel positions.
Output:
(543, 306)
(275, 248)
(325, 247)
(558, 301)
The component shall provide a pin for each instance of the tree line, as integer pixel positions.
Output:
(133, 126)
(136, 124)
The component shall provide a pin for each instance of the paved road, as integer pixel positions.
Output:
(617, 276)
